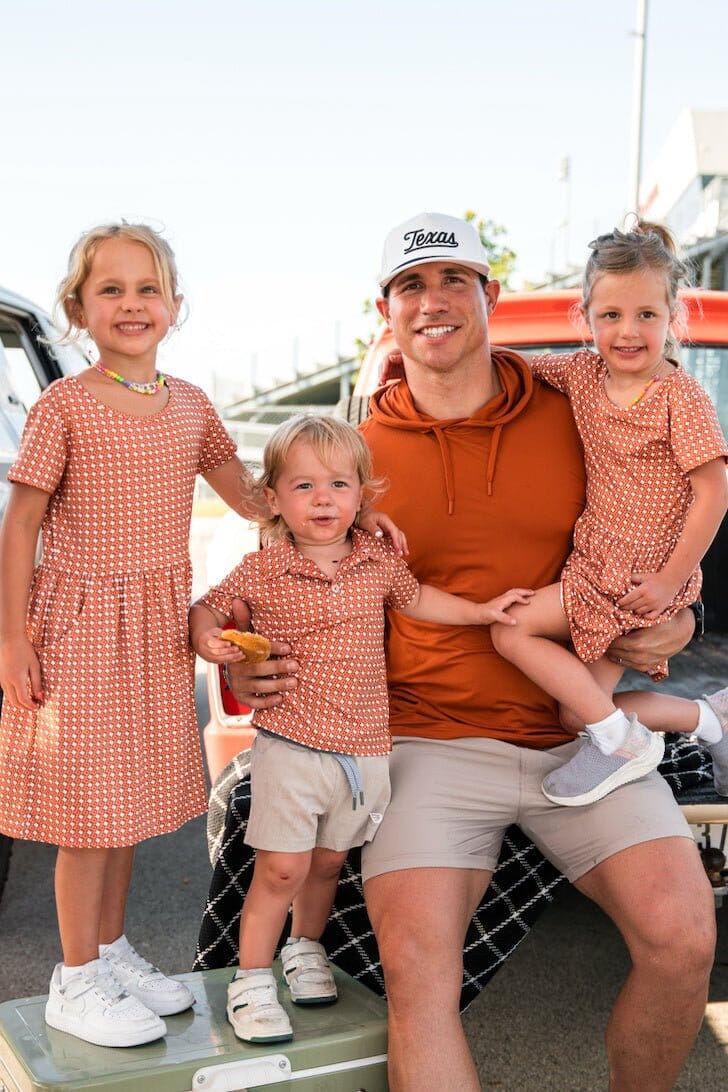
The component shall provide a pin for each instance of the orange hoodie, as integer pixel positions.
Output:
(487, 503)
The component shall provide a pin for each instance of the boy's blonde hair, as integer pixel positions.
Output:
(328, 436)
(68, 296)
(646, 246)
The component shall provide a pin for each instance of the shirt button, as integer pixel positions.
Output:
(335, 588)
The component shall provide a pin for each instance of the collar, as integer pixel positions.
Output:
(285, 557)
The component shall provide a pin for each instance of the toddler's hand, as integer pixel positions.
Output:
(495, 609)
(377, 524)
(392, 367)
(211, 647)
(650, 595)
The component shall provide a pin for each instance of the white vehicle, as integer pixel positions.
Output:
(29, 361)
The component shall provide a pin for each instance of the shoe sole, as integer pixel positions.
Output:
(278, 1037)
(156, 1007)
(71, 1028)
(326, 999)
(631, 771)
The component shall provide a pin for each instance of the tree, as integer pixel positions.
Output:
(501, 259)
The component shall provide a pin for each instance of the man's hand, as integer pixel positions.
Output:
(263, 685)
(643, 649)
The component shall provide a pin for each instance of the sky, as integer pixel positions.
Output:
(276, 143)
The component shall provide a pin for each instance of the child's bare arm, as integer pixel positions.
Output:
(434, 605)
(20, 674)
(234, 483)
(655, 591)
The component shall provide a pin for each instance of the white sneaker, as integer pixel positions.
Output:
(165, 996)
(718, 702)
(93, 1006)
(253, 1008)
(308, 972)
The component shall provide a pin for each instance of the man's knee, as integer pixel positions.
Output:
(680, 937)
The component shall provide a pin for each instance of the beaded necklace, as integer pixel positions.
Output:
(152, 387)
(650, 382)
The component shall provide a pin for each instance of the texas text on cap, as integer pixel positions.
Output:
(432, 237)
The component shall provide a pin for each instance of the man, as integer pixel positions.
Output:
(485, 477)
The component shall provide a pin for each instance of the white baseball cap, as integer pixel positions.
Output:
(432, 237)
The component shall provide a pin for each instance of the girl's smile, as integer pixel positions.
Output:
(123, 307)
(629, 316)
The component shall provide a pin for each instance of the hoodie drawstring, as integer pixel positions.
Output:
(447, 468)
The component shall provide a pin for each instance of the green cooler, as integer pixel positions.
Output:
(336, 1048)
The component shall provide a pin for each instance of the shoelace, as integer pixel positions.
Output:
(107, 986)
(135, 962)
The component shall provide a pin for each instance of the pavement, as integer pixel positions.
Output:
(537, 1027)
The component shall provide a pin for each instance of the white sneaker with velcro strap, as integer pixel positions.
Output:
(93, 1006)
(253, 1008)
(308, 972)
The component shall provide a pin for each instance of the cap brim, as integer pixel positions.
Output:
(479, 267)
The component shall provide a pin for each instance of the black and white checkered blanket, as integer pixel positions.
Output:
(523, 885)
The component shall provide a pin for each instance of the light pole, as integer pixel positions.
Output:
(633, 193)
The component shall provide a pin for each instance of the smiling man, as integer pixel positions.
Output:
(486, 478)
(485, 475)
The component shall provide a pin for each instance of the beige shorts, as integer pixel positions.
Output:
(301, 798)
(452, 801)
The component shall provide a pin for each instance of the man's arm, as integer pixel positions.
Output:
(644, 648)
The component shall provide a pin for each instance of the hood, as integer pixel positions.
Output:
(392, 406)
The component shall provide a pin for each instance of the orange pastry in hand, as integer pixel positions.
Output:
(255, 647)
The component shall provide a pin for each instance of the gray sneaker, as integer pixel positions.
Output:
(590, 775)
(718, 702)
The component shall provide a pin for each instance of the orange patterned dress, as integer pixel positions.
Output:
(638, 460)
(113, 755)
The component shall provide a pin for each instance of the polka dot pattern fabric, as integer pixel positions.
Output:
(638, 492)
(113, 756)
(336, 632)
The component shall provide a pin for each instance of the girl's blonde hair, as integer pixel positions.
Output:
(646, 246)
(68, 296)
(329, 437)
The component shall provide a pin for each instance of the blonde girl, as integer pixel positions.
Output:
(656, 494)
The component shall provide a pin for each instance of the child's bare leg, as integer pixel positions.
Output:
(116, 892)
(277, 879)
(79, 886)
(532, 645)
(607, 675)
(312, 905)
(660, 712)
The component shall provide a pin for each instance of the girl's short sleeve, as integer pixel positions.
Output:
(695, 433)
(554, 369)
(44, 445)
(217, 447)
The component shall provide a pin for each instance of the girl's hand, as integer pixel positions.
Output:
(392, 367)
(495, 609)
(377, 524)
(651, 594)
(20, 676)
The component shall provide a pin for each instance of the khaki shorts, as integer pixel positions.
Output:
(452, 801)
(301, 798)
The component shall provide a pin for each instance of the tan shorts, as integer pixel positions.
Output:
(301, 798)
(452, 801)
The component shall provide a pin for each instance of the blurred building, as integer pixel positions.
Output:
(686, 187)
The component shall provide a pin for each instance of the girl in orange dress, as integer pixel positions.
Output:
(99, 743)
(656, 494)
